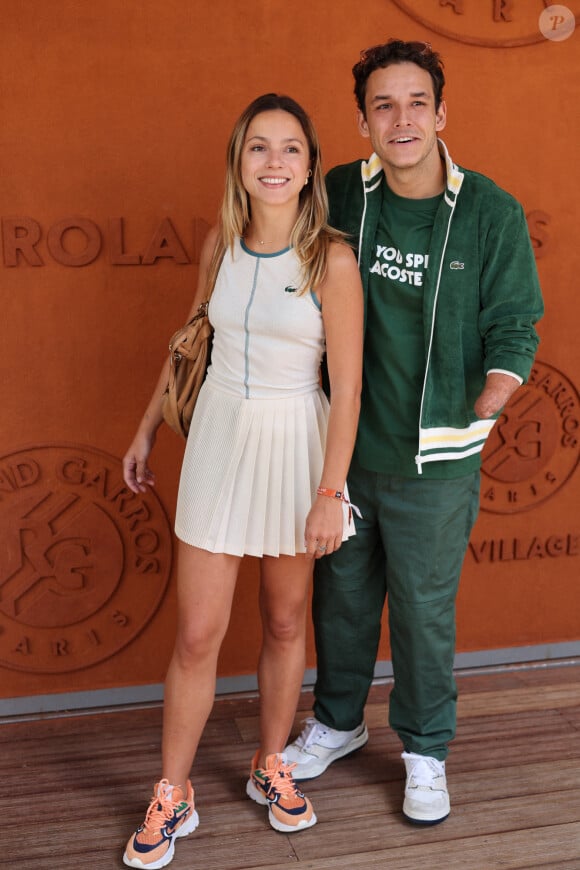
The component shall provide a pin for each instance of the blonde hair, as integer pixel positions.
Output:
(311, 235)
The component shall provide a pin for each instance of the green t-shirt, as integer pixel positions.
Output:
(395, 343)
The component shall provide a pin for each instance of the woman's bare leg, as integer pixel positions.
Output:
(205, 589)
(284, 589)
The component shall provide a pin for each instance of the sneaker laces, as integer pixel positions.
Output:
(280, 777)
(311, 732)
(161, 807)
(425, 770)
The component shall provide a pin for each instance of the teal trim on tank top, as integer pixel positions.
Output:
(277, 254)
(247, 331)
(316, 300)
(256, 254)
(313, 296)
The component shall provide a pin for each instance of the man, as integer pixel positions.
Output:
(452, 296)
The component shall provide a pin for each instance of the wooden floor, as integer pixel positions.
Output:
(74, 788)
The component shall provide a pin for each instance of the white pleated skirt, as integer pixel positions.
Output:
(250, 473)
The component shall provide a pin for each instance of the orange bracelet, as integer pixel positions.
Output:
(336, 493)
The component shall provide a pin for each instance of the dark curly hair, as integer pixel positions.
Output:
(397, 51)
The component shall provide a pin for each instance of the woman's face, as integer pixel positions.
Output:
(275, 158)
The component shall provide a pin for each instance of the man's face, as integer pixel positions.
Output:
(401, 120)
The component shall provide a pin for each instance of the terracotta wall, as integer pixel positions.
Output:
(114, 118)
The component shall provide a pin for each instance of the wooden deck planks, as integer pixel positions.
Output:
(513, 772)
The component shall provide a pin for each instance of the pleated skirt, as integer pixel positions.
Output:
(250, 473)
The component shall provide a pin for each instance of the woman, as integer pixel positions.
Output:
(262, 443)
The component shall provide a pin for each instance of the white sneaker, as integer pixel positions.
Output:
(318, 746)
(426, 796)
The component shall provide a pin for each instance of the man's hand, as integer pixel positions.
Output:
(498, 390)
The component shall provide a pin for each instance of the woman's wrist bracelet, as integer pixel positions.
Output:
(337, 493)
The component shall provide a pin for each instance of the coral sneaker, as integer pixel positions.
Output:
(171, 814)
(288, 809)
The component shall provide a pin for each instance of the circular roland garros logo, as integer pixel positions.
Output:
(534, 446)
(495, 23)
(84, 563)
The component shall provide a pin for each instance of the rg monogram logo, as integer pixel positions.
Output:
(495, 23)
(85, 562)
(534, 447)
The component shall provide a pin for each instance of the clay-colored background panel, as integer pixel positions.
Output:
(115, 119)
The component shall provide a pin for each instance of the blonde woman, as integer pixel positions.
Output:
(266, 459)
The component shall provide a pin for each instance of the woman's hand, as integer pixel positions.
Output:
(136, 472)
(324, 527)
(342, 313)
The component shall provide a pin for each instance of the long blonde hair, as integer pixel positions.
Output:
(311, 235)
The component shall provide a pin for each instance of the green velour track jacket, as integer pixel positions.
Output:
(482, 295)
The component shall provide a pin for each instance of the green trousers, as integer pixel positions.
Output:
(409, 547)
